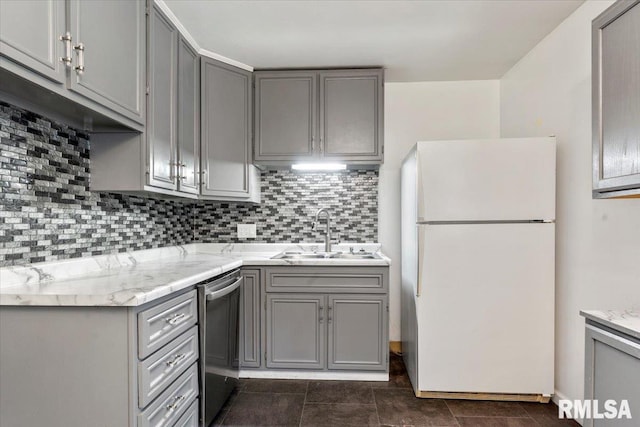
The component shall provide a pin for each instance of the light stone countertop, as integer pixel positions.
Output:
(135, 278)
(625, 321)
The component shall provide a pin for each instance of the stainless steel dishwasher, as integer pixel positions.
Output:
(219, 306)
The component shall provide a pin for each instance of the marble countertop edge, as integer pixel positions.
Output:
(626, 321)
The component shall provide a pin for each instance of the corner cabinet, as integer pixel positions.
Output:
(319, 115)
(79, 60)
(227, 173)
(197, 138)
(616, 101)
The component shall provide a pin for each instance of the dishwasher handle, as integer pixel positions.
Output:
(210, 296)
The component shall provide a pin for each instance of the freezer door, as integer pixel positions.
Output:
(486, 180)
(486, 308)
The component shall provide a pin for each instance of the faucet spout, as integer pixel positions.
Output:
(327, 236)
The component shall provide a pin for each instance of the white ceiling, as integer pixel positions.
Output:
(413, 40)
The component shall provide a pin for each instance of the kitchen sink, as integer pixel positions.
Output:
(327, 255)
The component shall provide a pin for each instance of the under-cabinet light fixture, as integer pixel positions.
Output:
(319, 166)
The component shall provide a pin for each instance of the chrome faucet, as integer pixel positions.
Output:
(327, 236)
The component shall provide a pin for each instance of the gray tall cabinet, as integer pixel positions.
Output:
(89, 53)
(319, 115)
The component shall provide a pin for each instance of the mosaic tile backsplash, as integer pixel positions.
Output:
(47, 211)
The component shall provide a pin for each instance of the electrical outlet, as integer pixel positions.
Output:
(246, 231)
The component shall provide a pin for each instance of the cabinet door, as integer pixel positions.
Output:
(188, 117)
(250, 319)
(612, 371)
(351, 115)
(29, 35)
(226, 134)
(296, 331)
(357, 332)
(285, 116)
(113, 36)
(161, 125)
(616, 100)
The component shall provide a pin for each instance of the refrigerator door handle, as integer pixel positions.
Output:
(421, 238)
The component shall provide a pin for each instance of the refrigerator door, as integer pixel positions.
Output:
(485, 313)
(486, 180)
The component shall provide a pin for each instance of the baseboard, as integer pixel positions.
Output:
(559, 396)
(395, 346)
(318, 375)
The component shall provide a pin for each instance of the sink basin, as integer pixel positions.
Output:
(302, 255)
(356, 255)
(326, 255)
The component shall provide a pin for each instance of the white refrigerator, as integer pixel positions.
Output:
(478, 267)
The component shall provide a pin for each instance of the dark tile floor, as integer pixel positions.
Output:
(348, 403)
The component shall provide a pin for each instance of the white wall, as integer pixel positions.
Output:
(423, 111)
(598, 241)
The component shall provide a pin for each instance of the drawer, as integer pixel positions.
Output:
(190, 417)
(163, 367)
(327, 279)
(160, 324)
(172, 403)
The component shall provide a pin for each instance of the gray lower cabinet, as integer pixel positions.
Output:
(78, 60)
(319, 115)
(612, 371)
(226, 131)
(296, 331)
(111, 366)
(357, 333)
(326, 318)
(616, 101)
(250, 326)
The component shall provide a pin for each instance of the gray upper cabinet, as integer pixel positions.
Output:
(296, 331)
(357, 332)
(188, 117)
(37, 45)
(82, 62)
(109, 39)
(285, 116)
(351, 115)
(173, 131)
(616, 101)
(226, 130)
(161, 122)
(318, 115)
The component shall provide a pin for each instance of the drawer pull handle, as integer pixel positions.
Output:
(176, 403)
(172, 320)
(176, 359)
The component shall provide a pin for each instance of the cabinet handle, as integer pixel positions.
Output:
(313, 144)
(176, 359)
(79, 48)
(329, 316)
(172, 320)
(66, 59)
(176, 403)
(321, 318)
